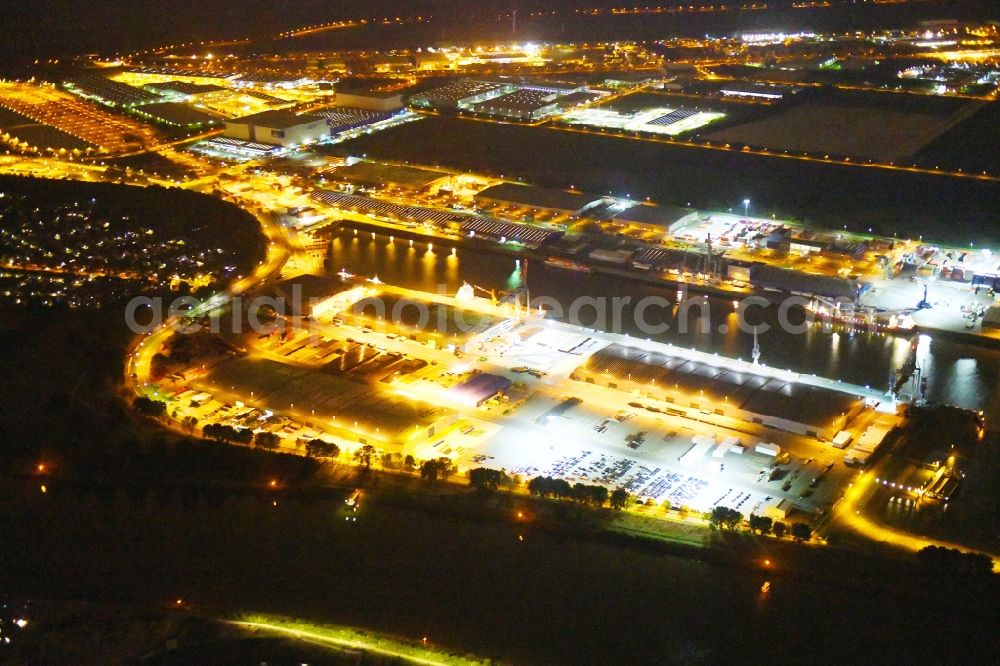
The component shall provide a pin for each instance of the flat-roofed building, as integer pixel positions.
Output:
(373, 174)
(268, 80)
(175, 114)
(762, 91)
(366, 413)
(278, 128)
(521, 104)
(656, 219)
(462, 94)
(181, 89)
(744, 394)
(371, 100)
(568, 202)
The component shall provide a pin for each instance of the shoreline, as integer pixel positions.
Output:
(648, 278)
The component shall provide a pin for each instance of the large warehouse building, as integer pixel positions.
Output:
(370, 100)
(547, 199)
(352, 410)
(278, 128)
(757, 398)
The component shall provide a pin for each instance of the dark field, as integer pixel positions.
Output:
(890, 202)
(469, 584)
(972, 145)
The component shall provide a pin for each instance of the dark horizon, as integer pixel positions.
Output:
(61, 28)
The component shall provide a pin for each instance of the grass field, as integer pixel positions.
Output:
(850, 131)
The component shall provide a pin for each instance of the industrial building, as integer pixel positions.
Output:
(759, 91)
(743, 394)
(278, 128)
(181, 90)
(652, 218)
(522, 104)
(175, 114)
(344, 119)
(370, 100)
(786, 279)
(548, 199)
(478, 389)
(352, 410)
(271, 81)
(373, 174)
(307, 295)
(464, 95)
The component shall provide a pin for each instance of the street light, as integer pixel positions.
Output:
(746, 208)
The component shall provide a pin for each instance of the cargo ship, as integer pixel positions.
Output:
(559, 262)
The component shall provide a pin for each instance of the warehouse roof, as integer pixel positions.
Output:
(478, 389)
(747, 390)
(538, 197)
(277, 385)
(791, 280)
(276, 119)
(372, 173)
(662, 216)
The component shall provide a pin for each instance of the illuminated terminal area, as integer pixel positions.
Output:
(657, 120)
(333, 403)
(471, 378)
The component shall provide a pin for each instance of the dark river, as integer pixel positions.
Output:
(958, 374)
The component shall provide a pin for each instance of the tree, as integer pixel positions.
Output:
(801, 532)
(598, 495)
(666, 505)
(723, 516)
(540, 486)
(760, 524)
(386, 461)
(485, 479)
(225, 434)
(619, 498)
(941, 561)
(148, 407)
(779, 528)
(242, 436)
(190, 423)
(364, 455)
(159, 365)
(432, 470)
(318, 448)
(266, 440)
(409, 462)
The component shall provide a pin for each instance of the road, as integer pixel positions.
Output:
(376, 645)
(848, 513)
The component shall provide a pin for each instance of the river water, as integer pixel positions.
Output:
(959, 374)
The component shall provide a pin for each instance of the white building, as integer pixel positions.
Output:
(278, 128)
(371, 100)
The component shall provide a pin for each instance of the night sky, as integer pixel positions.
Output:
(49, 28)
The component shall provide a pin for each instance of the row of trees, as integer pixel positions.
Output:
(724, 517)
(592, 495)
(227, 434)
(942, 561)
